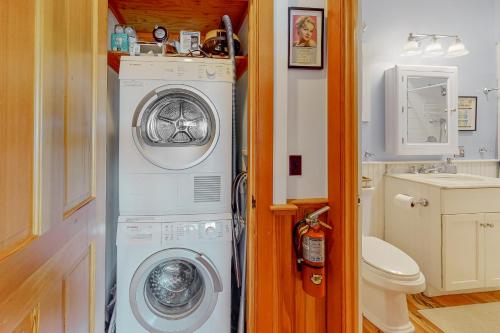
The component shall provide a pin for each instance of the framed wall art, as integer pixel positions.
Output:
(467, 113)
(305, 37)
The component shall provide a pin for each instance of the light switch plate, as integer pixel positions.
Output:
(295, 165)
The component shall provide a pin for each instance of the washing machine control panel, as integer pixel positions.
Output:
(201, 231)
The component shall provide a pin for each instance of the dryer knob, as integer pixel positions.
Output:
(210, 231)
(211, 71)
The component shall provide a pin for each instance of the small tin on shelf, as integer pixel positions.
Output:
(119, 42)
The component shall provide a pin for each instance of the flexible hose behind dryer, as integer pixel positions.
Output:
(230, 45)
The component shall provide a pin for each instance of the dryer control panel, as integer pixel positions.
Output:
(199, 231)
(176, 69)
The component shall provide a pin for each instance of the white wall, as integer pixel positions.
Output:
(388, 24)
(306, 118)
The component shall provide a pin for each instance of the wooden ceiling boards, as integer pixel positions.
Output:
(177, 15)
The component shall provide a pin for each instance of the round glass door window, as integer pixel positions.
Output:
(176, 127)
(174, 290)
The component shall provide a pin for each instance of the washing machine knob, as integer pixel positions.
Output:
(210, 69)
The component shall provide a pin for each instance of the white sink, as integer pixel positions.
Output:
(447, 180)
(454, 177)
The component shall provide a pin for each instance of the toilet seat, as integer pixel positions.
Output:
(385, 265)
(388, 259)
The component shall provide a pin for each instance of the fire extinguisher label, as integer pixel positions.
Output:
(313, 249)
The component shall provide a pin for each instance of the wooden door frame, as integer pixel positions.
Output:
(342, 251)
(260, 306)
(342, 307)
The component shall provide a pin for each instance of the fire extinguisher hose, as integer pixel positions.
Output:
(299, 229)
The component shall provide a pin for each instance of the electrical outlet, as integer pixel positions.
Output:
(461, 152)
(295, 165)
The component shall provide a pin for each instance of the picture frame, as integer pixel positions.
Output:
(189, 41)
(467, 113)
(305, 37)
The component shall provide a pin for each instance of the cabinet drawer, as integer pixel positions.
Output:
(463, 201)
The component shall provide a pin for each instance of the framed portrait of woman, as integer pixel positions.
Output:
(305, 37)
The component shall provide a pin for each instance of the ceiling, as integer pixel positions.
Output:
(176, 15)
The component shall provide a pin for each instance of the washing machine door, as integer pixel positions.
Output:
(174, 291)
(175, 127)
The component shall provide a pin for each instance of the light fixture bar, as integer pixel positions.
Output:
(423, 36)
(413, 46)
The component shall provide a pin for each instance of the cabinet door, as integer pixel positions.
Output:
(492, 250)
(428, 121)
(463, 257)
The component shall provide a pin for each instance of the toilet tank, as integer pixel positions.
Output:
(366, 211)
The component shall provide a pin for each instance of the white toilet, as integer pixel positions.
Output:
(388, 275)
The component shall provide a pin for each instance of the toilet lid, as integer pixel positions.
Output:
(388, 258)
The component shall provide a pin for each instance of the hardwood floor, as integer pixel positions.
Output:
(420, 301)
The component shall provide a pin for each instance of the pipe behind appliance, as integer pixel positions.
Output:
(232, 55)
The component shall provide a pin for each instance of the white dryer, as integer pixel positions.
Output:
(175, 135)
(174, 274)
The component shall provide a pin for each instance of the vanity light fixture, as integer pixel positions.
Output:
(433, 49)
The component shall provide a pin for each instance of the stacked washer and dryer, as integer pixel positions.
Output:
(174, 230)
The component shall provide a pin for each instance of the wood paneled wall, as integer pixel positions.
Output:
(293, 310)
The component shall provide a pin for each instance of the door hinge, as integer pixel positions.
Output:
(254, 202)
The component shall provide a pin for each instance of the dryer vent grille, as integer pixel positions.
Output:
(207, 188)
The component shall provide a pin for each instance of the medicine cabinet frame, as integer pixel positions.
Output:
(397, 113)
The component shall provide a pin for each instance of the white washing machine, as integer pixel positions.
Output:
(175, 135)
(174, 274)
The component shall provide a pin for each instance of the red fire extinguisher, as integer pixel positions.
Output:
(309, 241)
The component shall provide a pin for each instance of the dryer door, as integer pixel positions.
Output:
(174, 290)
(175, 127)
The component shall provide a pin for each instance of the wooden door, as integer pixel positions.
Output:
(463, 251)
(492, 250)
(52, 101)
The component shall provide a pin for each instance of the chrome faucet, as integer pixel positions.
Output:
(432, 169)
(445, 167)
(448, 166)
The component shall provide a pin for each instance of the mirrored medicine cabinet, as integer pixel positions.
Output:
(421, 115)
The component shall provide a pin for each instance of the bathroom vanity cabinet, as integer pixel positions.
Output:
(421, 116)
(471, 244)
(456, 238)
